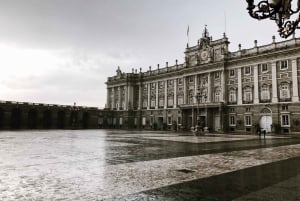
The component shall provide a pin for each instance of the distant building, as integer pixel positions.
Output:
(214, 88)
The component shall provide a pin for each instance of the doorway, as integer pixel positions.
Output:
(265, 123)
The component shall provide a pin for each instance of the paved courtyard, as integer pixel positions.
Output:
(141, 165)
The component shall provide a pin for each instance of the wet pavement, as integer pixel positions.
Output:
(132, 165)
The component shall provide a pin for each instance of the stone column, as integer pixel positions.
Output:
(184, 91)
(223, 87)
(156, 95)
(195, 89)
(274, 83)
(140, 97)
(107, 98)
(209, 87)
(255, 76)
(166, 95)
(148, 88)
(175, 93)
(113, 98)
(240, 96)
(120, 99)
(127, 96)
(295, 81)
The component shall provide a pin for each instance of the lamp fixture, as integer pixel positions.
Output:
(278, 10)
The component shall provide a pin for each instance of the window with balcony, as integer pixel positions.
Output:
(152, 102)
(145, 103)
(232, 96)
(180, 100)
(217, 95)
(247, 95)
(265, 93)
(284, 92)
(170, 101)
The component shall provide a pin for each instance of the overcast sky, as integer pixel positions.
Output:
(62, 51)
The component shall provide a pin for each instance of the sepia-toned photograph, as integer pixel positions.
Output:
(149, 100)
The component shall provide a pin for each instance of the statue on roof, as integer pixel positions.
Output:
(205, 40)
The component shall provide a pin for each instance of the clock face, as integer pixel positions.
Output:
(204, 54)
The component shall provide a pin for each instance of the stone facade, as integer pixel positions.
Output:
(214, 88)
(23, 115)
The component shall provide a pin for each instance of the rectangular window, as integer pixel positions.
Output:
(285, 120)
(144, 121)
(248, 109)
(152, 105)
(180, 100)
(247, 70)
(145, 103)
(151, 121)
(284, 108)
(179, 81)
(191, 79)
(231, 73)
(169, 120)
(217, 97)
(264, 67)
(152, 85)
(170, 102)
(179, 120)
(283, 64)
(121, 121)
(161, 103)
(248, 120)
(232, 120)
(161, 85)
(217, 75)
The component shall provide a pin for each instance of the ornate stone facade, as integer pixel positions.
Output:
(214, 88)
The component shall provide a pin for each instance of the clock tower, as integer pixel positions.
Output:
(207, 50)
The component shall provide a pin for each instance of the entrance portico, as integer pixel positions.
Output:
(208, 115)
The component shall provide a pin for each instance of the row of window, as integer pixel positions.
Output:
(263, 67)
(285, 120)
(265, 94)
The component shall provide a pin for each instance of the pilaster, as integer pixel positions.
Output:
(274, 83)
(295, 81)
(240, 96)
(209, 87)
(175, 93)
(166, 95)
(148, 88)
(255, 76)
(156, 95)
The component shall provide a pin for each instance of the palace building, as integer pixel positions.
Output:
(214, 88)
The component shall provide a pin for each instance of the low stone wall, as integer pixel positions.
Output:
(19, 115)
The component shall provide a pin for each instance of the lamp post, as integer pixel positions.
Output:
(278, 10)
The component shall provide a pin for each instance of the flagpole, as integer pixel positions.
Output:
(188, 36)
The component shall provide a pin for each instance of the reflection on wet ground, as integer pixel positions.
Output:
(131, 165)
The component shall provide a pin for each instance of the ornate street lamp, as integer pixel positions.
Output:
(278, 10)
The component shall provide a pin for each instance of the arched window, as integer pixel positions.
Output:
(232, 95)
(284, 91)
(247, 94)
(265, 93)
